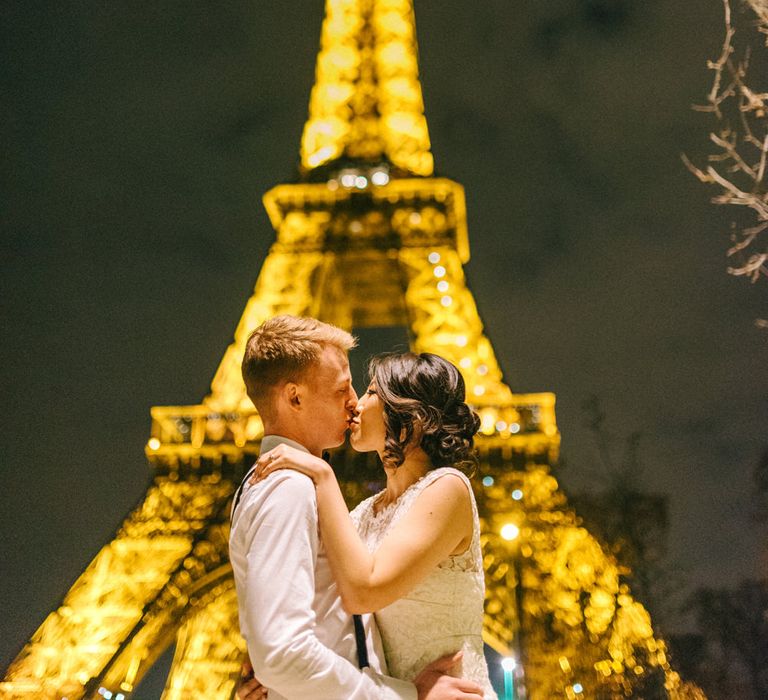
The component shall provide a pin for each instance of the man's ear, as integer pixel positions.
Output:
(292, 395)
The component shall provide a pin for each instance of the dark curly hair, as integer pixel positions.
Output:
(423, 400)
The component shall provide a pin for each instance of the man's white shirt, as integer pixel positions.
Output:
(300, 640)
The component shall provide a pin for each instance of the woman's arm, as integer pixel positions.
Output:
(439, 520)
(437, 523)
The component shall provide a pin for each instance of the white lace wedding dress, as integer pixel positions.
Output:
(443, 613)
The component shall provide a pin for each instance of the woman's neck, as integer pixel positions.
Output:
(414, 467)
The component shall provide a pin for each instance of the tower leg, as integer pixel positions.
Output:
(209, 649)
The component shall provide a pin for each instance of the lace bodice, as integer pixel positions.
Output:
(443, 613)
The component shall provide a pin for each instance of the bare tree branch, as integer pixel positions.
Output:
(737, 167)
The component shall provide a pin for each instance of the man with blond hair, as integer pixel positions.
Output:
(301, 642)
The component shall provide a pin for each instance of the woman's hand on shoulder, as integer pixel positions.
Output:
(286, 457)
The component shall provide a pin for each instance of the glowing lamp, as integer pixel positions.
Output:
(510, 532)
(508, 663)
(379, 178)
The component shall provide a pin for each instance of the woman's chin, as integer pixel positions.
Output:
(357, 444)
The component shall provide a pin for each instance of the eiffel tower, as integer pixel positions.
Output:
(367, 236)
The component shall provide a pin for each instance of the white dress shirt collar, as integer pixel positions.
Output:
(269, 442)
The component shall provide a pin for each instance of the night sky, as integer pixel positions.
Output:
(139, 138)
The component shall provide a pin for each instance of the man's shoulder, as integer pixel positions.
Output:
(281, 485)
(283, 497)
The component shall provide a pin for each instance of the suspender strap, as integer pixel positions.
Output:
(239, 492)
(362, 650)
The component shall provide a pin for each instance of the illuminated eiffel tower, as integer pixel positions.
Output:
(367, 237)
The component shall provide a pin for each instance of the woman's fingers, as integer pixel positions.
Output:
(267, 468)
(282, 457)
(265, 464)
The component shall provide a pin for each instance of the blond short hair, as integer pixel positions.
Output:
(282, 348)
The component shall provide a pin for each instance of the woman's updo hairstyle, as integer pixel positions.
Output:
(423, 400)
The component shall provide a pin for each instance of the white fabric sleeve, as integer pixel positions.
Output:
(282, 544)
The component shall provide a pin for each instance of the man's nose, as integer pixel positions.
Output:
(353, 400)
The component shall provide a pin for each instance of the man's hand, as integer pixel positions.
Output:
(433, 683)
(250, 688)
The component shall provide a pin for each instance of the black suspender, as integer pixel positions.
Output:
(239, 492)
(362, 649)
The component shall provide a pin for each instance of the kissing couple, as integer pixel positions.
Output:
(309, 573)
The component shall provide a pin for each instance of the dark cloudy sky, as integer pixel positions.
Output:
(138, 139)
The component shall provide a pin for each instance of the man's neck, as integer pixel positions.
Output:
(281, 431)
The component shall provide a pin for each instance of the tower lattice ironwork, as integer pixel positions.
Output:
(367, 236)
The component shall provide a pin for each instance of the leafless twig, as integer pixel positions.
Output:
(737, 167)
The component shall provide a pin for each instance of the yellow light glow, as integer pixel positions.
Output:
(487, 422)
(153, 444)
(379, 178)
(510, 532)
(320, 156)
(366, 102)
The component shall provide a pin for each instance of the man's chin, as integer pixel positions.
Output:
(336, 442)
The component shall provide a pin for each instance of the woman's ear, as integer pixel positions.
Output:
(416, 434)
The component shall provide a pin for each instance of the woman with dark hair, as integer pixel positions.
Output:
(411, 553)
